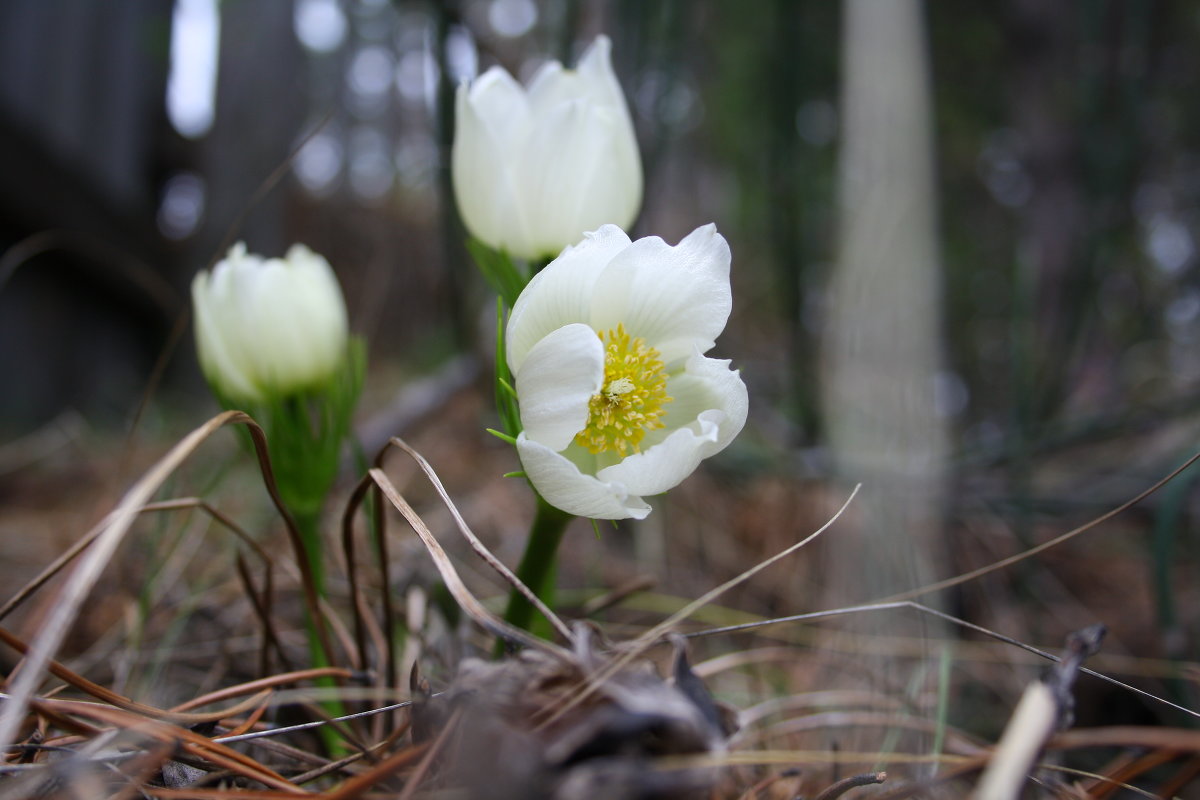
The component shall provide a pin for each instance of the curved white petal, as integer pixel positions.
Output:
(217, 358)
(562, 485)
(676, 298)
(666, 464)
(708, 410)
(550, 85)
(500, 104)
(295, 322)
(561, 293)
(708, 383)
(595, 68)
(621, 175)
(490, 123)
(555, 383)
(577, 169)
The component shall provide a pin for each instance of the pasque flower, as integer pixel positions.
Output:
(606, 345)
(535, 168)
(266, 328)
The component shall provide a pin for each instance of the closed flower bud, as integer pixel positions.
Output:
(535, 168)
(267, 328)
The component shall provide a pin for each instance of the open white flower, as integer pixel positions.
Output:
(606, 346)
(269, 327)
(533, 169)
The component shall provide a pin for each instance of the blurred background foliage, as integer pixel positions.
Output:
(137, 138)
(1065, 159)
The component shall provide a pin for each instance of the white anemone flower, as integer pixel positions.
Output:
(266, 328)
(535, 168)
(607, 346)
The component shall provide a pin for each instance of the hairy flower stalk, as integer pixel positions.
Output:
(273, 341)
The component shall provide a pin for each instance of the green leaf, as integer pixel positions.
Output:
(505, 276)
(505, 395)
(504, 437)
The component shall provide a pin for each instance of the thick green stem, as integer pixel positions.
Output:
(308, 522)
(537, 565)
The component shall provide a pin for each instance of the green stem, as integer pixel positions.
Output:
(537, 565)
(308, 522)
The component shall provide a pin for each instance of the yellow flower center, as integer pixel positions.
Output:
(632, 398)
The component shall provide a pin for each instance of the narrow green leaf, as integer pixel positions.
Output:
(504, 437)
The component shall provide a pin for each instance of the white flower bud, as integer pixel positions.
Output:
(269, 327)
(535, 168)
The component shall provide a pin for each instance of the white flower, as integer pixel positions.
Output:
(606, 346)
(269, 327)
(533, 169)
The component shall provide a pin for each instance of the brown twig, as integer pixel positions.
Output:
(853, 782)
(192, 742)
(358, 602)
(753, 792)
(480, 549)
(61, 672)
(454, 583)
(270, 682)
(1045, 706)
(607, 600)
(639, 646)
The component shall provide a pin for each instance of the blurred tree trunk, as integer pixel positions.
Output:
(882, 346)
(85, 303)
(250, 139)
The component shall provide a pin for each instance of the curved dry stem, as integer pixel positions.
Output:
(358, 601)
(86, 540)
(655, 634)
(563, 630)
(469, 603)
(264, 683)
(910, 604)
(109, 534)
(1033, 551)
(63, 673)
(191, 741)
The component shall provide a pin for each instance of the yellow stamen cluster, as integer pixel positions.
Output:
(632, 398)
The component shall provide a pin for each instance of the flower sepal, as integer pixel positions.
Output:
(305, 429)
(506, 276)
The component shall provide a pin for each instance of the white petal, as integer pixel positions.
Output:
(551, 84)
(213, 347)
(614, 193)
(561, 293)
(709, 409)
(666, 464)
(708, 383)
(593, 80)
(499, 102)
(487, 147)
(582, 170)
(563, 486)
(676, 298)
(298, 326)
(555, 383)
